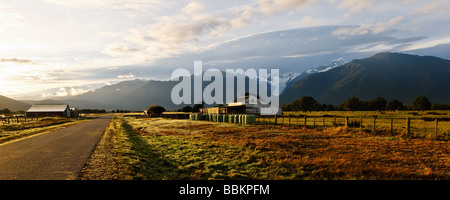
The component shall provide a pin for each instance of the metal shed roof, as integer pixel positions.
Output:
(48, 108)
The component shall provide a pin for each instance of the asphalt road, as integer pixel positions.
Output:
(57, 155)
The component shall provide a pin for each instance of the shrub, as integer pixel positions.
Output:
(155, 109)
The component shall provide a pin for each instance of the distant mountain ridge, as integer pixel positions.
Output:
(132, 95)
(323, 68)
(12, 104)
(388, 75)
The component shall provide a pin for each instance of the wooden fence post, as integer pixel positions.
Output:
(346, 121)
(374, 123)
(436, 127)
(408, 123)
(323, 122)
(297, 120)
(360, 124)
(282, 120)
(392, 126)
(275, 120)
(335, 124)
(289, 121)
(314, 123)
(305, 120)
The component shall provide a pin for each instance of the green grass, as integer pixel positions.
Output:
(169, 149)
(422, 124)
(191, 157)
(16, 131)
(109, 161)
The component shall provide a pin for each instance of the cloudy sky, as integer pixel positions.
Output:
(77, 45)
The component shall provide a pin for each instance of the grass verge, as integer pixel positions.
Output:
(108, 161)
(17, 133)
(168, 149)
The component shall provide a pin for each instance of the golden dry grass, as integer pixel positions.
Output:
(205, 150)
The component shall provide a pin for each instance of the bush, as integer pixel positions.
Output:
(155, 109)
(421, 103)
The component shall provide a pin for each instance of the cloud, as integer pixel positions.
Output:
(244, 16)
(385, 26)
(63, 91)
(271, 7)
(437, 7)
(187, 30)
(9, 17)
(356, 6)
(130, 75)
(306, 42)
(348, 32)
(118, 50)
(309, 21)
(113, 4)
(170, 35)
(17, 61)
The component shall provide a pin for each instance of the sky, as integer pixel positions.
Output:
(79, 45)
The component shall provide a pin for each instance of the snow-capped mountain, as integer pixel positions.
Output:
(286, 79)
(323, 68)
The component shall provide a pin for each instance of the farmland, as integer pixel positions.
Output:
(158, 148)
(23, 128)
(421, 124)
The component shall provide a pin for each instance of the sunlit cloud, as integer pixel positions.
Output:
(130, 75)
(17, 61)
(52, 44)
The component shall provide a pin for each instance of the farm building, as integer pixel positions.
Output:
(243, 105)
(49, 110)
(74, 112)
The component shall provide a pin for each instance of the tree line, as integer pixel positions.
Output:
(307, 103)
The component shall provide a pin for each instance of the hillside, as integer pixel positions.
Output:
(388, 75)
(12, 104)
(133, 95)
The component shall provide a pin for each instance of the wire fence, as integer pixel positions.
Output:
(407, 125)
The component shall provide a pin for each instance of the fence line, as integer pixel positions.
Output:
(391, 125)
(17, 119)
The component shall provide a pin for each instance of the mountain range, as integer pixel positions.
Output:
(389, 75)
(12, 104)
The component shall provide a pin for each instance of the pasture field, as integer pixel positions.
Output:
(30, 127)
(157, 148)
(422, 124)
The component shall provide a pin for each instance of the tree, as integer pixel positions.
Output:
(196, 107)
(5, 111)
(351, 104)
(378, 104)
(306, 103)
(395, 105)
(286, 107)
(186, 109)
(155, 109)
(440, 107)
(421, 103)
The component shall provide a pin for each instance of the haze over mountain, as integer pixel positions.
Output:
(12, 104)
(388, 75)
(136, 95)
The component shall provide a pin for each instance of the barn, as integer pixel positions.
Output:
(243, 106)
(49, 110)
